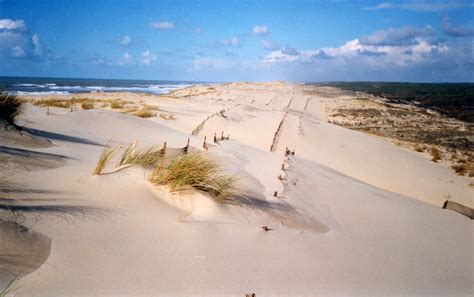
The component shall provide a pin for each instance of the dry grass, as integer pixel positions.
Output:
(435, 154)
(145, 112)
(186, 171)
(105, 156)
(148, 157)
(464, 168)
(167, 116)
(182, 171)
(128, 155)
(64, 103)
(420, 148)
(87, 105)
(10, 107)
(116, 104)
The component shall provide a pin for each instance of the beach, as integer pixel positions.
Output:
(323, 207)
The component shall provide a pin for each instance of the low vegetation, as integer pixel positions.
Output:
(10, 107)
(105, 156)
(435, 154)
(181, 171)
(87, 105)
(167, 116)
(145, 112)
(116, 104)
(64, 103)
(185, 171)
(464, 168)
(147, 157)
(420, 148)
(452, 99)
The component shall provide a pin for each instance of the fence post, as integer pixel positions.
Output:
(186, 148)
(163, 150)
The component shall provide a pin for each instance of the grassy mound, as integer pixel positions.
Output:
(10, 107)
(184, 171)
(181, 171)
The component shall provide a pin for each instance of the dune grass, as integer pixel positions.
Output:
(185, 171)
(64, 103)
(464, 168)
(116, 104)
(435, 154)
(10, 107)
(87, 105)
(167, 116)
(147, 157)
(181, 171)
(105, 156)
(145, 112)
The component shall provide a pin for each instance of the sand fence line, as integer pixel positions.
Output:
(221, 112)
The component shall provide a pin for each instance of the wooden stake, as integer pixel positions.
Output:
(47, 110)
(222, 135)
(186, 148)
(215, 138)
(163, 150)
(204, 143)
(275, 194)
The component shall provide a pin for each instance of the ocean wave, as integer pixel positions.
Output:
(39, 93)
(53, 88)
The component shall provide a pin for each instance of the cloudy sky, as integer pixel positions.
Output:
(298, 40)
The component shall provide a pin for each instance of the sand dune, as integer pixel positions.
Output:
(353, 214)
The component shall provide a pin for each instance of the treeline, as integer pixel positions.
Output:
(452, 99)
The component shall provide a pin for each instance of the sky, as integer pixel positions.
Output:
(299, 40)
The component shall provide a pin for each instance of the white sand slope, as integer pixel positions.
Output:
(347, 219)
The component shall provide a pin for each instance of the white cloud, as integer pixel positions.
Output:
(268, 45)
(162, 25)
(455, 31)
(126, 60)
(18, 52)
(260, 30)
(147, 57)
(126, 40)
(234, 41)
(212, 63)
(37, 49)
(376, 54)
(8, 24)
(399, 36)
(13, 44)
(425, 6)
(279, 56)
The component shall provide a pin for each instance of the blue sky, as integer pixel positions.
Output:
(239, 40)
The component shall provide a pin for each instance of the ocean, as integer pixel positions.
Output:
(43, 86)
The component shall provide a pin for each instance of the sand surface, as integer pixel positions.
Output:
(354, 214)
